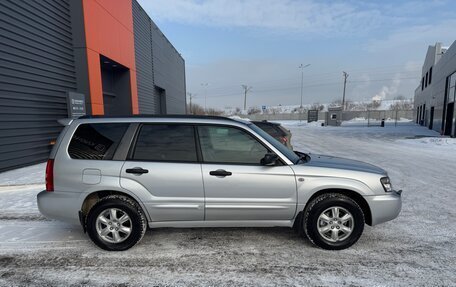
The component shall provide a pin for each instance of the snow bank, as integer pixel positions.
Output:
(23, 176)
(239, 118)
(431, 142)
(296, 123)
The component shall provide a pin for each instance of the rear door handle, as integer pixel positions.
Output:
(137, 170)
(220, 172)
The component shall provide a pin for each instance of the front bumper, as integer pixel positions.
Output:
(63, 206)
(385, 207)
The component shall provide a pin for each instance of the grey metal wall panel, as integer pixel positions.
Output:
(36, 72)
(148, 99)
(444, 64)
(169, 71)
(160, 69)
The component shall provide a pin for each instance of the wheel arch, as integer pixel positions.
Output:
(92, 198)
(358, 198)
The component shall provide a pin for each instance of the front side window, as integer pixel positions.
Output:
(96, 141)
(221, 144)
(165, 142)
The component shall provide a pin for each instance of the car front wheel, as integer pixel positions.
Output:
(333, 221)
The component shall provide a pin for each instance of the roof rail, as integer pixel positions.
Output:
(158, 116)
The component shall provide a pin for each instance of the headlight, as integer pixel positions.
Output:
(386, 184)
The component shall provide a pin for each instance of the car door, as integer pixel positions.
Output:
(237, 186)
(163, 160)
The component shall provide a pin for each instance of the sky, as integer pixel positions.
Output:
(262, 43)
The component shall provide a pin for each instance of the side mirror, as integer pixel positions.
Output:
(269, 159)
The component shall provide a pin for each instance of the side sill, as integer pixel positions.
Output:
(222, 223)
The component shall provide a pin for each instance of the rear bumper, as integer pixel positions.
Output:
(63, 206)
(384, 207)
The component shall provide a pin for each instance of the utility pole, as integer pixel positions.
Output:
(302, 79)
(246, 90)
(190, 95)
(205, 95)
(345, 85)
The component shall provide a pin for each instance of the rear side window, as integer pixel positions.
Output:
(173, 143)
(270, 129)
(96, 141)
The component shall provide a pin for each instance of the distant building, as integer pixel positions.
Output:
(334, 116)
(97, 57)
(435, 96)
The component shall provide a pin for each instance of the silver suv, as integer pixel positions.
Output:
(118, 176)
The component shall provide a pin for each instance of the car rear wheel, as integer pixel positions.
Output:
(333, 221)
(116, 223)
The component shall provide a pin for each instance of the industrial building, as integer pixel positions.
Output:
(63, 58)
(435, 96)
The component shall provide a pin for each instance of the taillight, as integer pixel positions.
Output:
(50, 175)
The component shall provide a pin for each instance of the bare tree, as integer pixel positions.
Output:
(350, 105)
(317, 106)
(199, 110)
(400, 98)
(213, 112)
(374, 105)
(335, 103)
(253, 111)
(401, 103)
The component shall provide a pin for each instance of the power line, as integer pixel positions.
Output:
(320, 75)
(314, 85)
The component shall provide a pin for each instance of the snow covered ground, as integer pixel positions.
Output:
(26, 175)
(416, 249)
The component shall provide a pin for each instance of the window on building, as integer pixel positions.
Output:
(426, 82)
(451, 88)
(96, 141)
(422, 83)
(171, 143)
(430, 75)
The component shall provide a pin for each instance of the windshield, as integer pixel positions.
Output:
(283, 149)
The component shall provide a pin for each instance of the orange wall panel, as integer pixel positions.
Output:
(118, 8)
(134, 100)
(95, 84)
(109, 32)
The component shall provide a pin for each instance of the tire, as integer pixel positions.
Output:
(325, 232)
(116, 223)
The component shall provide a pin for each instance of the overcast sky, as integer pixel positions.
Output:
(261, 43)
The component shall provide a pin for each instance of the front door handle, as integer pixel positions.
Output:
(220, 172)
(137, 170)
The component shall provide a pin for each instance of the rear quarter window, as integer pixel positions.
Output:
(96, 141)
